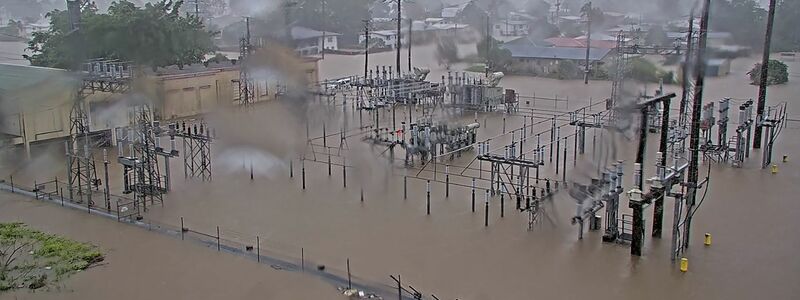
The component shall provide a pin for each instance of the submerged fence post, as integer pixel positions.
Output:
(302, 259)
(349, 280)
(258, 249)
(12, 182)
(502, 204)
(405, 186)
(291, 169)
(218, 248)
(182, 228)
(303, 170)
(344, 172)
(447, 181)
(486, 211)
(473, 194)
(61, 191)
(429, 197)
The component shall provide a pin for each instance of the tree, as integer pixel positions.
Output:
(568, 69)
(777, 73)
(154, 35)
(729, 15)
(446, 51)
(644, 70)
(341, 16)
(499, 59)
(657, 36)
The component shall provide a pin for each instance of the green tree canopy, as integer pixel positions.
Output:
(777, 73)
(729, 15)
(499, 59)
(154, 35)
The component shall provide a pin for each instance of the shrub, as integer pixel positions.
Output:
(777, 73)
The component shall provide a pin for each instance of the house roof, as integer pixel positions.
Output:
(302, 33)
(565, 42)
(386, 33)
(451, 12)
(521, 51)
(17, 77)
(600, 37)
(511, 21)
(711, 35)
(526, 41)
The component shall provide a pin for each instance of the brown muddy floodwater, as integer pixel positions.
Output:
(750, 213)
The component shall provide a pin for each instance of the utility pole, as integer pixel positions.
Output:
(410, 27)
(694, 140)
(558, 13)
(488, 46)
(323, 28)
(366, 48)
(685, 74)
(399, 40)
(762, 85)
(246, 85)
(588, 11)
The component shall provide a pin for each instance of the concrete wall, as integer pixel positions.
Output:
(38, 114)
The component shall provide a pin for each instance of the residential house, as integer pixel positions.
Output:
(714, 38)
(511, 27)
(311, 42)
(538, 57)
(387, 37)
(580, 42)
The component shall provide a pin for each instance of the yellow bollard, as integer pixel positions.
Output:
(774, 169)
(684, 264)
(707, 240)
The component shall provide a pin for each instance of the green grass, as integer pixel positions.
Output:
(479, 68)
(42, 256)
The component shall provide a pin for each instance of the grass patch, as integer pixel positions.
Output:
(479, 68)
(33, 259)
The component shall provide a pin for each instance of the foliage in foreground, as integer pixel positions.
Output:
(154, 35)
(30, 258)
(777, 73)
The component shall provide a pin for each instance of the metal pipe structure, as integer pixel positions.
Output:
(637, 202)
(762, 85)
(694, 140)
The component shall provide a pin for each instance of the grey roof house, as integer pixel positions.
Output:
(540, 58)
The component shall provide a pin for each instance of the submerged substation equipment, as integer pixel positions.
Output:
(744, 129)
(476, 93)
(428, 139)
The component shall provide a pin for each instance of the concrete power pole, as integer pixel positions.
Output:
(399, 40)
(762, 85)
(588, 12)
(694, 139)
(410, 27)
(323, 28)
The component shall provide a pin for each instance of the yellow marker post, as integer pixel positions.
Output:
(774, 169)
(707, 240)
(684, 264)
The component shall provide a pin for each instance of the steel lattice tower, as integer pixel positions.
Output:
(147, 177)
(246, 86)
(197, 150)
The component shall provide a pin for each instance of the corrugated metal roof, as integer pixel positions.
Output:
(301, 33)
(16, 77)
